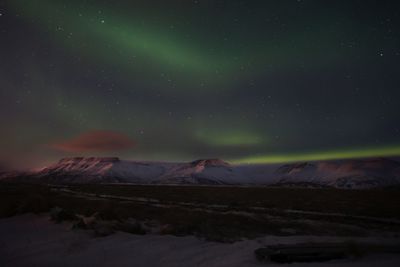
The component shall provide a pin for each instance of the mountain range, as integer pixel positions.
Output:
(351, 174)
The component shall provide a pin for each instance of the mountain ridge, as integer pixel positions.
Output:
(353, 173)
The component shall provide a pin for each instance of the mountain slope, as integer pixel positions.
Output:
(362, 173)
(110, 170)
(94, 169)
(365, 173)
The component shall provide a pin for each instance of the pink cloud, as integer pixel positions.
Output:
(96, 141)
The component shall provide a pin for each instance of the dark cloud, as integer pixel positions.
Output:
(96, 141)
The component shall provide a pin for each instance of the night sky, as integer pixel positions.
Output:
(245, 81)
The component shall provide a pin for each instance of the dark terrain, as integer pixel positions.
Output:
(217, 213)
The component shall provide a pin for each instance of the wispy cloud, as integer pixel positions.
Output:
(95, 141)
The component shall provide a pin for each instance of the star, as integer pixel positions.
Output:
(180, 70)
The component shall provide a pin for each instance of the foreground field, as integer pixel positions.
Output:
(133, 225)
(32, 240)
(224, 214)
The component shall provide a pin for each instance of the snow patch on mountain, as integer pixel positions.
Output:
(362, 173)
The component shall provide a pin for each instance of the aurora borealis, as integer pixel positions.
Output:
(245, 81)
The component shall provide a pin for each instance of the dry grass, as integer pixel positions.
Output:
(212, 224)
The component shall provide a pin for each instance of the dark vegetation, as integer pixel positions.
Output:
(373, 202)
(215, 213)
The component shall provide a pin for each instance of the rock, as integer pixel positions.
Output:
(263, 254)
(102, 229)
(59, 215)
(302, 253)
(85, 222)
(151, 226)
(166, 229)
(131, 226)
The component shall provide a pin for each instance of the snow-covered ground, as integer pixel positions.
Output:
(31, 240)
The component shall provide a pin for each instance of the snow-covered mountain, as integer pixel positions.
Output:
(362, 173)
(105, 170)
(365, 173)
(114, 170)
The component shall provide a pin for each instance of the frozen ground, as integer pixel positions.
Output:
(31, 240)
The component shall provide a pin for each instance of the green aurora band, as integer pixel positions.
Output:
(325, 155)
(147, 49)
(127, 38)
(123, 41)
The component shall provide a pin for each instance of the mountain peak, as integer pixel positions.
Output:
(294, 167)
(352, 173)
(75, 160)
(210, 163)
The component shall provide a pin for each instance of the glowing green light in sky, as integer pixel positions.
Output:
(126, 39)
(325, 155)
(142, 46)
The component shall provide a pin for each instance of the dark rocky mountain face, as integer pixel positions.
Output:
(295, 167)
(210, 163)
